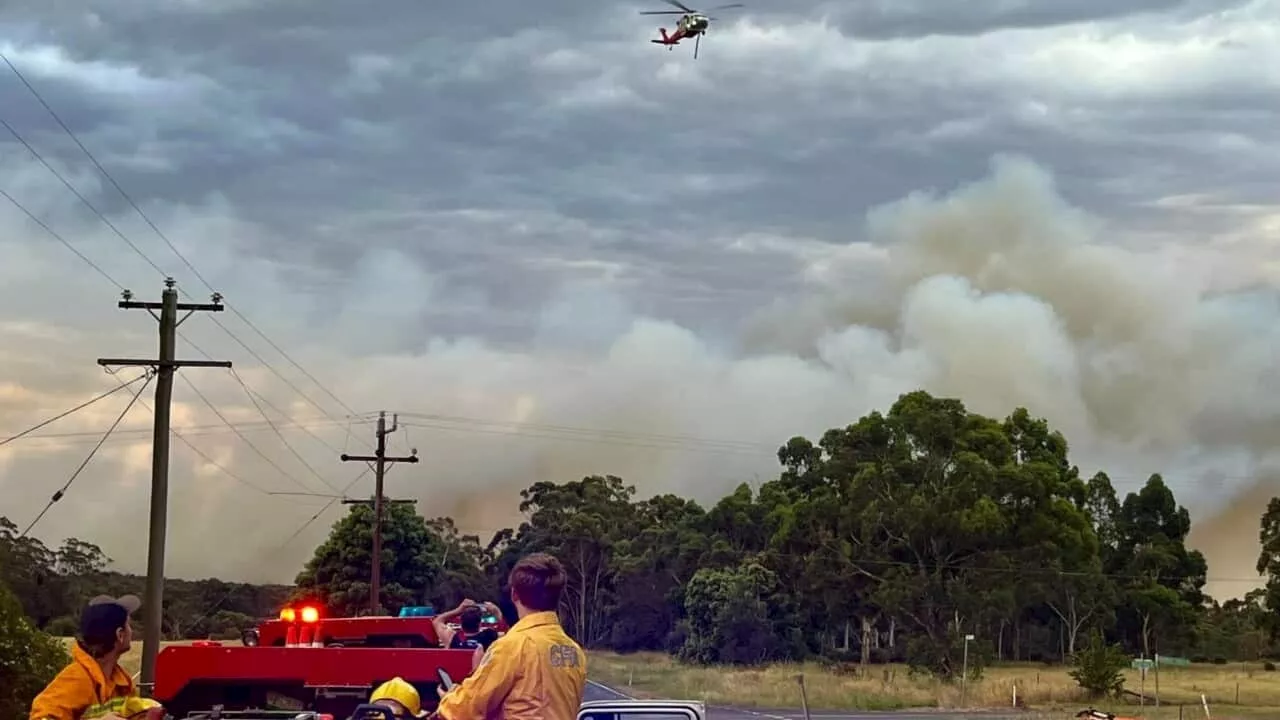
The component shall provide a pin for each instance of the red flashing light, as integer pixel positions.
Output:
(288, 615)
(310, 614)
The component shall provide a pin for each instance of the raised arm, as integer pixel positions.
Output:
(441, 622)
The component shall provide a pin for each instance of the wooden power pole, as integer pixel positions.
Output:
(165, 366)
(380, 462)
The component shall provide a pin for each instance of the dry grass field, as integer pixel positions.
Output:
(1239, 690)
(891, 687)
(133, 661)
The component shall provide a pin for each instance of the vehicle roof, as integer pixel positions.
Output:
(643, 704)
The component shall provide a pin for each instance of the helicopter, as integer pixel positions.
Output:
(692, 24)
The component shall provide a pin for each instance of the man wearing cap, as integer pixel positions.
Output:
(94, 685)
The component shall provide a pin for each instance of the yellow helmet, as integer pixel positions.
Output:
(135, 705)
(399, 690)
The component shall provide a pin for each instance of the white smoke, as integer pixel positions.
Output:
(999, 293)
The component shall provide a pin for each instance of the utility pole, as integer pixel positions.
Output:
(165, 366)
(380, 461)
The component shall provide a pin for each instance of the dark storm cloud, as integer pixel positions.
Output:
(489, 141)
(478, 209)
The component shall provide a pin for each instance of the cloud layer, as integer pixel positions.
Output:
(556, 249)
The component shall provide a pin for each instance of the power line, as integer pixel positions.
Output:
(216, 464)
(54, 234)
(241, 435)
(594, 432)
(380, 462)
(213, 608)
(36, 154)
(147, 219)
(81, 406)
(594, 440)
(291, 421)
(253, 394)
(67, 485)
(276, 430)
(209, 429)
(331, 503)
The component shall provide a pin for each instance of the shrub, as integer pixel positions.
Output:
(29, 658)
(64, 626)
(1099, 668)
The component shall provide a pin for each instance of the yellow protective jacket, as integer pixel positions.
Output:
(81, 692)
(534, 672)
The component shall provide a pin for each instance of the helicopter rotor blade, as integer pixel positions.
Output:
(726, 7)
(663, 12)
(677, 4)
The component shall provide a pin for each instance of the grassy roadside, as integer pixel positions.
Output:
(1039, 688)
(133, 660)
(1045, 691)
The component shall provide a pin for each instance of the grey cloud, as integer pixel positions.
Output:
(908, 18)
(525, 212)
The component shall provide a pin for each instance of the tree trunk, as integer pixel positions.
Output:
(893, 629)
(865, 658)
(1146, 635)
(848, 629)
(1073, 631)
(1000, 642)
(582, 596)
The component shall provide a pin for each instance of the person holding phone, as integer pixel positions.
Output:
(533, 672)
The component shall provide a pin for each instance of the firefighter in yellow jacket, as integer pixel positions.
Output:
(535, 671)
(94, 686)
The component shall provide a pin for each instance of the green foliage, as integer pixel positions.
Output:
(890, 539)
(420, 561)
(887, 540)
(29, 658)
(53, 586)
(1099, 667)
(729, 618)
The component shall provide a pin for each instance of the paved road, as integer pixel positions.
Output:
(597, 691)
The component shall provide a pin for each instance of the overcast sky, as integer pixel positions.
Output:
(565, 250)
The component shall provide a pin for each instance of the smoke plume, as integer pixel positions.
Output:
(998, 292)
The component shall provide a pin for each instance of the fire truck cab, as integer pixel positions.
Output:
(302, 662)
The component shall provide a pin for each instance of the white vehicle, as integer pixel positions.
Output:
(622, 709)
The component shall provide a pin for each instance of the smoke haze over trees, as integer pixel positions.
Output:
(1000, 292)
(887, 539)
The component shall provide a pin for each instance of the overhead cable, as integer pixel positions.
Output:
(67, 485)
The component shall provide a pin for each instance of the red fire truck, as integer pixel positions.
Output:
(304, 662)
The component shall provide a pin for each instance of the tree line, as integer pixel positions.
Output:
(888, 540)
(53, 585)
